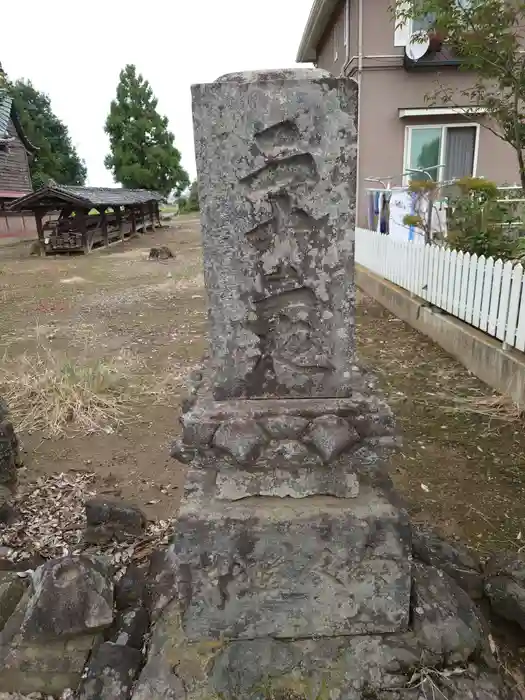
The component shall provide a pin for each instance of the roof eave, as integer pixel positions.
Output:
(20, 131)
(34, 197)
(318, 19)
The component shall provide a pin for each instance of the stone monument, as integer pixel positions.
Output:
(290, 574)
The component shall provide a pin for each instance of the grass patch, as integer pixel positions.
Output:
(50, 392)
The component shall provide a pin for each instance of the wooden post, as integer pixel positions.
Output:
(143, 214)
(157, 213)
(133, 221)
(80, 220)
(118, 214)
(104, 226)
(39, 215)
(152, 215)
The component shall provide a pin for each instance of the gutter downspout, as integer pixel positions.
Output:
(347, 34)
(360, 102)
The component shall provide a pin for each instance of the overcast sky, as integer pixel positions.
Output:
(74, 53)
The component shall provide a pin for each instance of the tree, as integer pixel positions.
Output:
(488, 37)
(193, 197)
(143, 154)
(56, 157)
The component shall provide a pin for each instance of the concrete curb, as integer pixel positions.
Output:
(503, 370)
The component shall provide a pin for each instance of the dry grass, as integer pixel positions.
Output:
(496, 407)
(57, 395)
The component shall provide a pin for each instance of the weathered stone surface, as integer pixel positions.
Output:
(303, 481)
(331, 435)
(285, 427)
(277, 166)
(241, 439)
(158, 680)
(12, 588)
(107, 520)
(505, 586)
(160, 588)
(198, 432)
(8, 453)
(444, 618)
(456, 560)
(69, 596)
(235, 576)
(181, 452)
(130, 627)
(7, 509)
(111, 672)
(465, 684)
(345, 667)
(131, 588)
(29, 665)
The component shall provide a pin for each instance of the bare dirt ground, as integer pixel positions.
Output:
(462, 467)
(114, 306)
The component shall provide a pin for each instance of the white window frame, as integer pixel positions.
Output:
(403, 31)
(408, 144)
(347, 23)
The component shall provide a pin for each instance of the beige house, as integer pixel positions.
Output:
(398, 131)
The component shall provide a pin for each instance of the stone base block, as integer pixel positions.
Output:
(390, 667)
(282, 568)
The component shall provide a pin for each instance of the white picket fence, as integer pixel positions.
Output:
(483, 292)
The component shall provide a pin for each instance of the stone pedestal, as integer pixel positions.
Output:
(290, 575)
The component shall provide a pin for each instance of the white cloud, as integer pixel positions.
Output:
(75, 53)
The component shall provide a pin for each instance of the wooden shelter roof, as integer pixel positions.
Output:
(58, 196)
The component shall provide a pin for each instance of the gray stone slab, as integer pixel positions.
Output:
(69, 597)
(48, 666)
(305, 480)
(12, 588)
(284, 567)
(347, 668)
(276, 159)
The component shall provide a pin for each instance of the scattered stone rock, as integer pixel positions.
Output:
(7, 510)
(444, 618)
(8, 453)
(69, 596)
(505, 587)
(242, 439)
(111, 672)
(162, 253)
(161, 581)
(455, 559)
(130, 589)
(49, 666)
(107, 520)
(182, 452)
(285, 427)
(130, 628)
(331, 435)
(12, 588)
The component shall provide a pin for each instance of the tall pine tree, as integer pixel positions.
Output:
(56, 157)
(143, 154)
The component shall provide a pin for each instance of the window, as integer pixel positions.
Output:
(422, 24)
(335, 42)
(443, 152)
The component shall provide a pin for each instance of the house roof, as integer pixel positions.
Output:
(84, 197)
(320, 14)
(7, 112)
